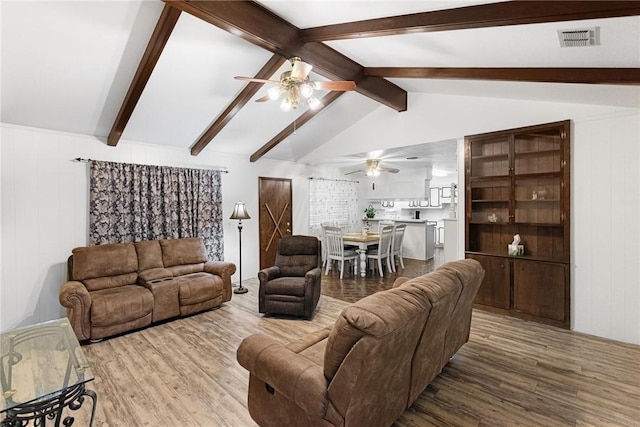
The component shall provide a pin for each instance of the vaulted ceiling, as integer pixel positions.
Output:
(162, 72)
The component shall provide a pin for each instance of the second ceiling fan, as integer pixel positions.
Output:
(374, 168)
(297, 87)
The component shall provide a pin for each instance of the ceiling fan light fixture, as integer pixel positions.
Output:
(372, 172)
(314, 103)
(274, 93)
(306, 90)
(286, 105)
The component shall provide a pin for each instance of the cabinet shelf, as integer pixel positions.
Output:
(540, 175)
(537, 153)
(537, 200)
(491, 156)
(524, 257)
(489, 178)
(489, 201)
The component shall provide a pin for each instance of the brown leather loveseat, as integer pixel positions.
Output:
(373, 363)
(118, 287)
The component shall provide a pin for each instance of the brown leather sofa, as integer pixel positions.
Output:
(292, 286)
(118, 287)
(373, 363)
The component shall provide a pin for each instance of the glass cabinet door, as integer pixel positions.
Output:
(538, 163)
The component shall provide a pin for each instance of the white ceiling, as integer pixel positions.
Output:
(66, 65)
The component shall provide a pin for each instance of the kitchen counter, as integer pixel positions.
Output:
(418, 221)
(418, 240)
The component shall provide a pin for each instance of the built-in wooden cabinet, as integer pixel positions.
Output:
(517, 182)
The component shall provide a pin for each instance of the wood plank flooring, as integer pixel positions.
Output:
(511, 373)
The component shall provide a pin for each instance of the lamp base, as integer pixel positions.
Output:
(240, 290)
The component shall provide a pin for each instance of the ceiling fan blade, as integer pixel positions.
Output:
(335, 85)
(251, 79)
(349, 173)
(263, 98)
(390, 170)
(300, 70)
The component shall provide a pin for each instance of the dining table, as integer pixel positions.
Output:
(362, 241)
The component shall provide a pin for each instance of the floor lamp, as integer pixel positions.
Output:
(240, 213)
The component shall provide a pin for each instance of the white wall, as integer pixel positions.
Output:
(605, 205)
(45, 209)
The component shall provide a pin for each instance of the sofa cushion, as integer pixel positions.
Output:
(183, 251)
(119, 305)
(149, 254)
(111, 259)
(110, 281)
(198, 287)
(377, 315)
(181, 270)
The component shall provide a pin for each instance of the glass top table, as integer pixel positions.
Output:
(42, 371)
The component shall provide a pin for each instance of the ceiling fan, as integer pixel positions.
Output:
(374, 168)
(297, 87)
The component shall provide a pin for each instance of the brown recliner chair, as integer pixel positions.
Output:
(292, 285)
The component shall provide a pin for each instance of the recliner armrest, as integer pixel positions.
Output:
(295, 377)
(313, 275)
(269, 273)
(76, 298)
(223, 269)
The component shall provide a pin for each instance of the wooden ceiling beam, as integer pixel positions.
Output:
(613, 76)
(263, 28)
(297, 124)
(236, 105)
(161, 33)
(479, 16)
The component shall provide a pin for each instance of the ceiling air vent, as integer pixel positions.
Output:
(579, 37)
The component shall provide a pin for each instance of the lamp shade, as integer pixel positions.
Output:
(240, 211)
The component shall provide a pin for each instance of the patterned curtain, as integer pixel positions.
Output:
(333, 202)
(129, 203)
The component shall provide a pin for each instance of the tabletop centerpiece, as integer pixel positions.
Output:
(369, 213)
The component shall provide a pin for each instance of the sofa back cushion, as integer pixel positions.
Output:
(105, 266)
(183, 251)
(442, 288)
(470, 274)
(370, 348)
(149, 254)
(297, 255)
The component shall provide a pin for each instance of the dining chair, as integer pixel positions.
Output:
(396, 245)
(384, 249)
(385, 223)
(336, 251)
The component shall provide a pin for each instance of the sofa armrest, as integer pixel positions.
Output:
(76, 298)
(399, 281)
(223, 269)
(268, 273)
(154, 275)
(295, 377)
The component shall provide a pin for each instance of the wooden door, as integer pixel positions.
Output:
(275, 217)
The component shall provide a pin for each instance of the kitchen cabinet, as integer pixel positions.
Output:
(396, 186)
(517, 182)
(434, 197)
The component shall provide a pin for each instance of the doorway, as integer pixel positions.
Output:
(275, 216)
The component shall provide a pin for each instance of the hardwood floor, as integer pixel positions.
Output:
(511, 373)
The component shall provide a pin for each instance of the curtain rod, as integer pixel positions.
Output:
(331, 179)
(222, 169)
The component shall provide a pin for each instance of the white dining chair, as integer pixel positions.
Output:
(336, 250)
(383, 251)
(396, 245)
